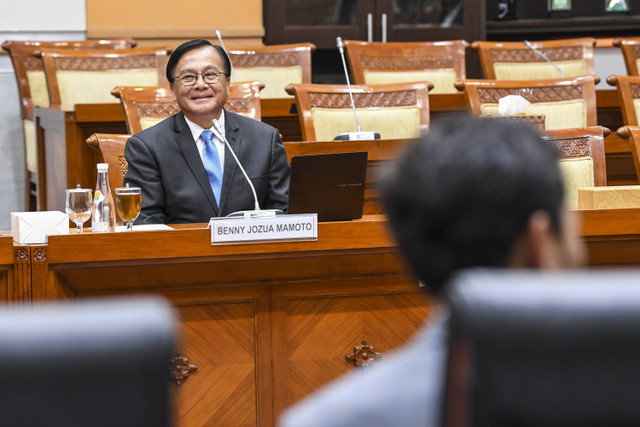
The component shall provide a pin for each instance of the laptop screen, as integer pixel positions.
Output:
(331, 185)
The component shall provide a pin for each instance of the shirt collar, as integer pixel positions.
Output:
(196, 130)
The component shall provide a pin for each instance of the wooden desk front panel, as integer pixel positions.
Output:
(259, 320)
(6, 268)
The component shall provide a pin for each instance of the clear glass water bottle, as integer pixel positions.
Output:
(104, 214)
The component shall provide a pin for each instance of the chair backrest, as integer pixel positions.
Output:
(582, 158)
(632, 133)
(111, 150)
(98, 362)
(516, 61)
(441, 63)
(29, 70)
(565, 103)
(396, 111)
(553, 349)
(145, 106)
(630, 47)
(87, 76)
(628, 88)
(275, 65)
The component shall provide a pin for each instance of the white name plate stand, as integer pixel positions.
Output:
(260, 229)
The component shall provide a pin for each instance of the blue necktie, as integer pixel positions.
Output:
(211, 161)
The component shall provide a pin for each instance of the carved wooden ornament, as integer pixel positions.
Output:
(363, 355)
(181, 368)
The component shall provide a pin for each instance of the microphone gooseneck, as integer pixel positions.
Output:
(543, 56)
(219, 36)
(346, 74)
(220, 134)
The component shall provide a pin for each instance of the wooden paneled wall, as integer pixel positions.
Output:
(170, 22)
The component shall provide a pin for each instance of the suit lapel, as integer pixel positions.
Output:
(189, 150)
(234, 137)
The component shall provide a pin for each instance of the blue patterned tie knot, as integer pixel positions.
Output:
(212, 165)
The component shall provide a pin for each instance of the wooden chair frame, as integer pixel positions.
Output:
(110, 149)
(628, 88)
(583, 142)
(480, 92)
(159, 102)
(632, 134)
(630, 47)
(405, 56)
(555, 50)
(279, 55)
(337, 96)
(82, 60)
(24, 61)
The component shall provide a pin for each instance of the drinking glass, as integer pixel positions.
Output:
(78, 205)
(128, 204)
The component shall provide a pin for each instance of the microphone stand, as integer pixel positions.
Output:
(359, 135)
(543, 56)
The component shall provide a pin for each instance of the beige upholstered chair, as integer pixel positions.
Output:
(32, 89)
(630, 47)
(628, 88)
(441, 63)
(516, 61)
(145, 106)
(565, 103)
(396, 111)
(276, 66)
(111, 150)
(87, 76)
(582, 159)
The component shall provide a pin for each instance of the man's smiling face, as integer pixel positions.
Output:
(202, 102)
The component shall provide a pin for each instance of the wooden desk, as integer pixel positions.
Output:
(266, 323)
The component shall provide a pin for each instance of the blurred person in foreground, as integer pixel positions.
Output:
(185, 171)
(470, 193)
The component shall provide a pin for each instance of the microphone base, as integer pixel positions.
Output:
(263, 213)
(357, 136)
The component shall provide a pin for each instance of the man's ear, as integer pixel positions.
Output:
(536, 247)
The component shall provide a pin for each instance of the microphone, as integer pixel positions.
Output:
(359, 135)
(543, 56)
(247, 214)
(233, 71)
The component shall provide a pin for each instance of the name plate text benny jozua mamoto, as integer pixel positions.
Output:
(279, 227)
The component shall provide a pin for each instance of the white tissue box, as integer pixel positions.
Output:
(35, 227)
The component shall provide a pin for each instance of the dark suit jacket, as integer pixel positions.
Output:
(164, 162)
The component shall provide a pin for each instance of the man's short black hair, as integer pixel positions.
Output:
(192, 45)
(463, 194)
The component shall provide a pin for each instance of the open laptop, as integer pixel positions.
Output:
(331, 185)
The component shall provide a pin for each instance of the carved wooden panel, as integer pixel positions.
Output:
(238, 105)
(124, 165)
(157, 109)
(536, 94)
(220, 338)
(319, 331)
(31, 63)
(573, 147)
(526, 55)
(265, 59)
(141, 62)
(636, 51)
(400, 63)
(635, 90)
(363, 100)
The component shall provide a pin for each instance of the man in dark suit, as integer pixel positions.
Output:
(186, 172)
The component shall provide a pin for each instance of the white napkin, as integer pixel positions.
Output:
(512, 104)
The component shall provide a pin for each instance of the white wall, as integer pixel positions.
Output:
(26, 20)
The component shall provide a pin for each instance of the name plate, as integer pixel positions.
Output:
(278, 227)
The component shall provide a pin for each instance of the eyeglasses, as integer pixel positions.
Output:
(190, 78)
